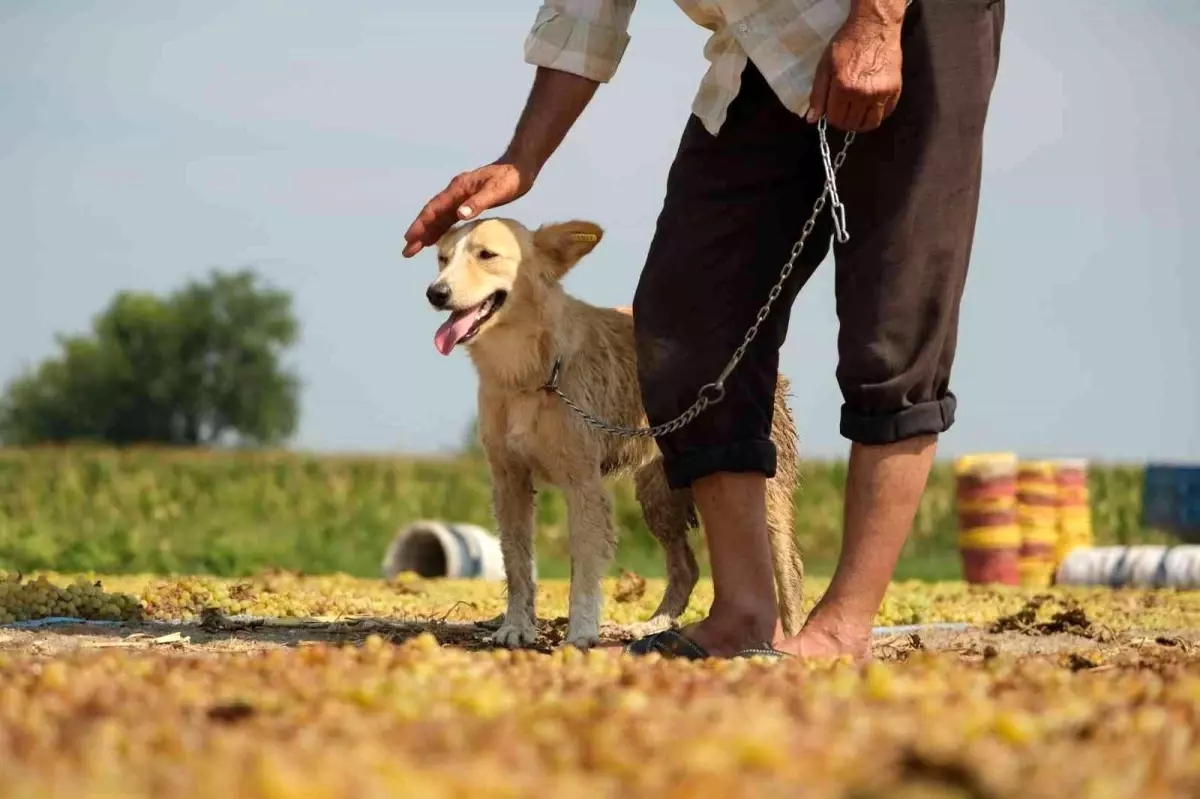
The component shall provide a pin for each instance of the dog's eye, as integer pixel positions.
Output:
(443, 260)
(486, 255)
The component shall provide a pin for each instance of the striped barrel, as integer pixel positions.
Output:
(989, 534)
(1074, 507)
(1037, 517)
(1145, 566)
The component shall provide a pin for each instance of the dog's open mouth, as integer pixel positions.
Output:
(463, 325)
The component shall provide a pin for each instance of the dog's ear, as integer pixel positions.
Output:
(563, 244)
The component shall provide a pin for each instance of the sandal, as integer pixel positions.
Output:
(671, 643)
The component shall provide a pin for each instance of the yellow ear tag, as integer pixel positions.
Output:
(584, 237)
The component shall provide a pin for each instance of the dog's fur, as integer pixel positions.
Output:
(530, 436)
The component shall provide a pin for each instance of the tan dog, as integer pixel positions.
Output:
(501, 283)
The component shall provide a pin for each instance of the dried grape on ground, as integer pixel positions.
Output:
(347, 693)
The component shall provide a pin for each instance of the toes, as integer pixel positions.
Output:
(512, 636)
(584, 642)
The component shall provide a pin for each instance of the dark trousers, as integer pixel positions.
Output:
(735, 205)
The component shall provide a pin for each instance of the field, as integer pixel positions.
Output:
(242, 646)
(371, 689)
(235, 514)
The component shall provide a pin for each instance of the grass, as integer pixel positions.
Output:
(237, 513)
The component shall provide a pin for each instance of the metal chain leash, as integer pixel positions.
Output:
(712, 393)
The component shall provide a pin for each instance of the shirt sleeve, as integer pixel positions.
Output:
(583, 37)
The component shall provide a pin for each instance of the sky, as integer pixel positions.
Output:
(145, 142)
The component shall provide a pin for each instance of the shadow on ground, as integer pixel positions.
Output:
(215, 634)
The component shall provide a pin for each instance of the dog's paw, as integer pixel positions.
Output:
(491, 624)
(583, 638)
(515, 636)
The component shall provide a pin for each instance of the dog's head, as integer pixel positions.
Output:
(489, 267)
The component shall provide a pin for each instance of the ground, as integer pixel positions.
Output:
(359, 688)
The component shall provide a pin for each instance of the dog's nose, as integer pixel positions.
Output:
(437, 294)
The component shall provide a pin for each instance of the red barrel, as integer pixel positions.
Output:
(989, 533)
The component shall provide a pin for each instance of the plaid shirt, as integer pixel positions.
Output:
(784, 38)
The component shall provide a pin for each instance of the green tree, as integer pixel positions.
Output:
(200, 366)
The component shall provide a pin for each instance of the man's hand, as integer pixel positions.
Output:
(857, 84)
(467, 196)
(555, 102)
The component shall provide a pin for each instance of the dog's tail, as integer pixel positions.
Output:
(789, 578)
(781, 513)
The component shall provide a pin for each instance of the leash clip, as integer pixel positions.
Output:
(551, 383)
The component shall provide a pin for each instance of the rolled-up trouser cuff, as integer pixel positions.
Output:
(922, 419)
(740, 456)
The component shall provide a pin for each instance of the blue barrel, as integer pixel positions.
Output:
(1171, 500)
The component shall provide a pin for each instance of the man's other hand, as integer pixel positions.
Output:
(857, 83)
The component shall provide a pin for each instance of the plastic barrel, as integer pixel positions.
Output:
(1037, 516)
(1133, 567)
(989, 536)
(453, 550)
(1074, 506)
(1171, 500)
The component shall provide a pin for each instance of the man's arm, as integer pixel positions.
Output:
(858, 81)
(556, 100)
(574, 53)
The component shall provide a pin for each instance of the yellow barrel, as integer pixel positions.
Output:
(1037, 516)
(1074, 506)
(989, 534)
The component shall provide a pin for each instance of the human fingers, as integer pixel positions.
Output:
(501, 187)
(439, 214)
(842, 111)
(818, 99)
(891, 103)
(871, 115)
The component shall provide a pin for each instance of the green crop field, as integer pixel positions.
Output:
(231, 514)
(241, 643)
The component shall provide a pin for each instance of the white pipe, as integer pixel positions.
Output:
(452, 550)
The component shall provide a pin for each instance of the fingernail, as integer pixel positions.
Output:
(811, 116)
(465, 211)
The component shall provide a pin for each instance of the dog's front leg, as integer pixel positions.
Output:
(589, 518)
(512, 497)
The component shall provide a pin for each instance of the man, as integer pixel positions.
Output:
(745, 178)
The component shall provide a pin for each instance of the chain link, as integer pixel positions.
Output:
(712, 393)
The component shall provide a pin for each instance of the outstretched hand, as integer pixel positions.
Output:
(467, 196)
(857, 83)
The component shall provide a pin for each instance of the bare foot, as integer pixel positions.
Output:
(724, 637)
(820, 642)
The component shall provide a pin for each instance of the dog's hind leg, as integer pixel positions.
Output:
(512, 497)
(592, 544)
(669, 515)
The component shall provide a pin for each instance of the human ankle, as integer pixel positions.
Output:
(840, 622)
(742, 622)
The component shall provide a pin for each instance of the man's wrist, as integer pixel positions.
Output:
(523, 158)
(888, 13)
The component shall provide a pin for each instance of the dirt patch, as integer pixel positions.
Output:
(1071, 619)
(217, 635)
(987, 643)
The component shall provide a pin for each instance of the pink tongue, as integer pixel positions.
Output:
(453, 329)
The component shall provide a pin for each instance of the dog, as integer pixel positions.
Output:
(500, 282)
